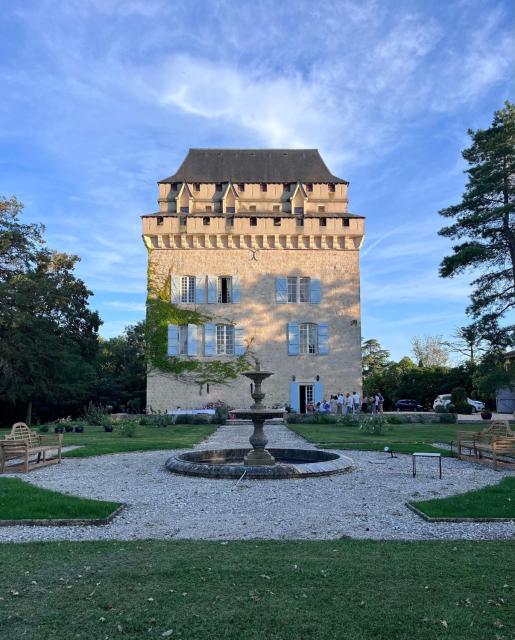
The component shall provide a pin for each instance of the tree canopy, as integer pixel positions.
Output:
(484, 220)
(48, 334)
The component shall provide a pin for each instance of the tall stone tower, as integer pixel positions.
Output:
(260, 246)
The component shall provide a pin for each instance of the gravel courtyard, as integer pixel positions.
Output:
(368, 502)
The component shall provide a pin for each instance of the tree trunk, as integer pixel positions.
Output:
(28, 416)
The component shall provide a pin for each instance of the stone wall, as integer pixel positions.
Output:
(265, 321)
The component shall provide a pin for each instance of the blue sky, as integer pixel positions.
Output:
(101, 98)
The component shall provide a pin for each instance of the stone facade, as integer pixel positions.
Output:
(259, 235)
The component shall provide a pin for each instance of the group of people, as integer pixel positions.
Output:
(349, 404)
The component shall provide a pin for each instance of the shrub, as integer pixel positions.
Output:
(347, 420)
(294, 418)
(441, 409)
(451, 408)
(105, 421)
(93, 414)
(464, 407)
(43, 428)
(459, 396)
(321, 418)
(221, 414)
(157, 420)
(128, 429)
(395, 420)
(447, 418)
(373, 425)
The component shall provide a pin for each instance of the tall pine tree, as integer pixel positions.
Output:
(484, 221)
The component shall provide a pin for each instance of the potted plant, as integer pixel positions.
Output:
(486, 415)
(79, 429)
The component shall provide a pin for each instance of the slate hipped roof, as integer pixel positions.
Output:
(253, 165)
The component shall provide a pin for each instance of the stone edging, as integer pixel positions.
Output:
(429, 519)
(64, 522)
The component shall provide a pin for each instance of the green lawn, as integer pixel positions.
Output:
(401, 438)
(346, 589)
(97, 442)
(496, 501)
(20, 500)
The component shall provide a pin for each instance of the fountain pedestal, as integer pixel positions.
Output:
(259, 456)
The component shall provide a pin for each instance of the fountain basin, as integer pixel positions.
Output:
(229, 463)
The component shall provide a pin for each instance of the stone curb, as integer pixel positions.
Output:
(429, 519)
(64, 522)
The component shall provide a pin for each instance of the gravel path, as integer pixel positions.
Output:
(365, 503)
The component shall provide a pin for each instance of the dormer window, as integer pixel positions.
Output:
(253, 222)
(299, 210)
(206, 221)
(230, 209)
(185, 209)
(332, 187)
(241, 187)
(196, 186)
(309, 187)
(264, 187)
(160, 219)
(218, 186)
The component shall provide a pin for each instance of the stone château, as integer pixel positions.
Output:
(261, 242)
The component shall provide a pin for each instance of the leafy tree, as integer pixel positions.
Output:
(373, 356)
(430, 351)
(468, 341)
(48, 335)
(494, 372)
(121, 370)
(485, 219)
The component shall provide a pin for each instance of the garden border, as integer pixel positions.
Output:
(427, 518)
(64, 522)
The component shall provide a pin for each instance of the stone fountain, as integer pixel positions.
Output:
(258, 462)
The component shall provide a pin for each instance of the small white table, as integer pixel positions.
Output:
(414, 457)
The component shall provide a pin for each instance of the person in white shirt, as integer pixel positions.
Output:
(357, 402)
(340, 402)
(349, 404)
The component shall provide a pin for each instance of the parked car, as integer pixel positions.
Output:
(408, 405)
(445, 399)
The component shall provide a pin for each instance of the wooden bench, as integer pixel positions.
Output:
(22, 443)
(485, 446)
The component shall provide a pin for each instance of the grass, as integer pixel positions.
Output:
(95, 441)
(345, 589)
(401, 438)
(20, 500)
(496, 501)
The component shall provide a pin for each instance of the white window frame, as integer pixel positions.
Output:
(308, 338)
(298, 289)
(182, 342)
(224, 339)
(228, 289)
(187, 289)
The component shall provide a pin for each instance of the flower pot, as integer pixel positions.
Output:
(79, 429)
(486, 415)
(108, 429)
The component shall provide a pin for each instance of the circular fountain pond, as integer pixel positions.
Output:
(259, 462)
(229, 463)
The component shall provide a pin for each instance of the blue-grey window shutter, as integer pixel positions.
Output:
(239, 347)
(294, 396)
(200, 289)
(316, 291)
(173, 340)
(318, 392)
(236, 289)
(281, 289)
(212, 289)
(192, 339)
(293, 339)
(323, 338)
(209, 339)
(175, 289)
